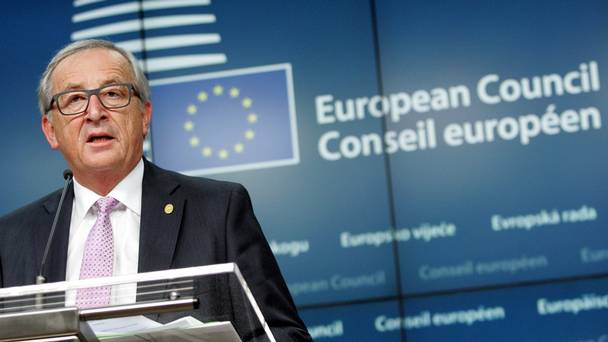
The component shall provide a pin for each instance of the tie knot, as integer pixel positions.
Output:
(106, 204)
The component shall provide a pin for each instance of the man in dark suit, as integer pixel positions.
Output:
(96, 110)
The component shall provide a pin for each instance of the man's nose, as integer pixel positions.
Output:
(95, 110)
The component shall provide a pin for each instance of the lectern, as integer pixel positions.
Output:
(211, 294)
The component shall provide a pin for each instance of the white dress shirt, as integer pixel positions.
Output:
(125, 218)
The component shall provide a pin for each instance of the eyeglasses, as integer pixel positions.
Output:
(112, 96)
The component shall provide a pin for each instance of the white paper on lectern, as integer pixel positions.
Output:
(185, 329)
(122, 325)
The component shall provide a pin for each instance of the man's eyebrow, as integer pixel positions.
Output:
(112, 81)
(72, 86)
(78, 86)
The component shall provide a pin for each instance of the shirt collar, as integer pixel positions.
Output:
(127, 192)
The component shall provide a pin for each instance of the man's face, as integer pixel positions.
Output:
(99, 140)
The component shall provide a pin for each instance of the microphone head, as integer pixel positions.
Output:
(67, 173)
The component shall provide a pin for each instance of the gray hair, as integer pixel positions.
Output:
(45, 91)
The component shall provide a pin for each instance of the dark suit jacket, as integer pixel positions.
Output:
(212, 222)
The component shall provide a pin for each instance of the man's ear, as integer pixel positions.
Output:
(147, 117)
(49, 131)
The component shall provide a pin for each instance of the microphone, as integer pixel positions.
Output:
(68, 176)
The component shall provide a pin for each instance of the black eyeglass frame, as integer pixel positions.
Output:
(89, 92)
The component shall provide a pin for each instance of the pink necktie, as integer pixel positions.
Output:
(98, 260)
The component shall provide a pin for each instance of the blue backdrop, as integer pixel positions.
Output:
(423, 170)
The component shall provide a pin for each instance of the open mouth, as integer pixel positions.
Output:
(99, 138)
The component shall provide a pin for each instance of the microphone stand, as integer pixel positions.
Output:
(40, 279)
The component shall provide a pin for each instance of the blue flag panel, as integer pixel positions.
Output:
(230, 121)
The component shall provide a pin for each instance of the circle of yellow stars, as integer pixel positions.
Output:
(223, 152)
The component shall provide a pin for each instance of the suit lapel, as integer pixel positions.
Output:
(56, 261)
(159, 227)
(161, 214)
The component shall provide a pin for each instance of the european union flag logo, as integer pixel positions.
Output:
(225, 121)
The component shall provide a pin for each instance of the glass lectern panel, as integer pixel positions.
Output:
(207, 303)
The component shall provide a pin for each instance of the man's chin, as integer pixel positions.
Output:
(104, 163)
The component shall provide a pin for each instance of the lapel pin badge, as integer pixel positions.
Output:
(168, 208)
